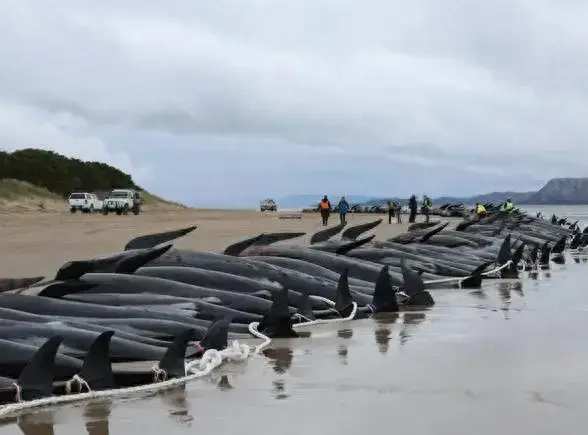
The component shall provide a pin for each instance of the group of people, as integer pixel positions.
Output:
(325, 209)
(394, 209)
(480, 209)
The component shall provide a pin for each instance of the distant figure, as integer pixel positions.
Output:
(412, 205)
(325, 209)
(509, 206)
(480, 210)
(390, 211)
(398, 212)
(426, 208)
(343, 209)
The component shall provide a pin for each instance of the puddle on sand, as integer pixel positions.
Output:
(507, 359)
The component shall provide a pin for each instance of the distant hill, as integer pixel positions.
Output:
(557, 191)
(563, 191)
(39, 176)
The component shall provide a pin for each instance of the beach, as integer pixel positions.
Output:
(503, 359)
(38, 243)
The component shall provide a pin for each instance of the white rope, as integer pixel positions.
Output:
(460, 280)
(327, 321)
(194, 369)
(498, 269)
(253, 326)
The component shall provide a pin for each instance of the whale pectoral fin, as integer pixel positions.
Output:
(326, 234)
(133, 262)
(413, 283)
(344, 249)
(261, 240)
(504, 255)
(277, 322)
(173, 359)
(434, 230)
(152, 240)
(236, 248)
(7, 284)
(36, 379)
(97, 370)
(344, 300)
(217, 335)
(384, 299)
(64, 288)
(305, 308)
(518, 255)
(355, 231)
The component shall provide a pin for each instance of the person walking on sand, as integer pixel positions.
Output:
(325, 209)
(412, 205)
(391, 210)
(343, 207)
(426, 208)
(398, 212)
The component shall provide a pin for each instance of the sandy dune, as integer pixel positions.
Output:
(39, 243)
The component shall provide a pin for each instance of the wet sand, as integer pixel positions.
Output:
(508, 359)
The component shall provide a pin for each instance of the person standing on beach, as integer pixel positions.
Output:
(343, 207)
(412, 204)
(398, 212)
(391, 210)
(426, 208)
(325, 209)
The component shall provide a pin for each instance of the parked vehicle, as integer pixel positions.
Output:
(85, 202)
(121, 201)
(268, 205)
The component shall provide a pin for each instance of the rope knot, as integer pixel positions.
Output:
(79, 382)
(17, 392)
(159, 374)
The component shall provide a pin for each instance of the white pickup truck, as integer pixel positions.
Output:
(85, 202)
(121, 201)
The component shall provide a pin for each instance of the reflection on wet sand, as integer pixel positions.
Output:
(96, 420)
(179, 406)
(280, 358)
(96, 416)
(409, 321)
(383, 328)
(42, 424)
(224, 383)
(343, 349)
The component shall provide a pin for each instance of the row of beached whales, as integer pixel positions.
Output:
(152, 302)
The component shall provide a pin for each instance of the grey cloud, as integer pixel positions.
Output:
(456, 86)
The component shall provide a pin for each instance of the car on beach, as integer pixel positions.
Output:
(121, 201)
(268, 205)
(85, 202)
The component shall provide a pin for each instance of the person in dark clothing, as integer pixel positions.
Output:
(343, 207)
(398, 212)
(391, 210)
(325, 209)
(412, 204)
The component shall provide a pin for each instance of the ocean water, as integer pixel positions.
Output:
(508, 359)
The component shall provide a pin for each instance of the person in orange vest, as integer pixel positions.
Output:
(325, 209)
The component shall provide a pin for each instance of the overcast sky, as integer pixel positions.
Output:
(222, 102)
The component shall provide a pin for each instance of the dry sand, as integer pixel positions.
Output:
(39, 243)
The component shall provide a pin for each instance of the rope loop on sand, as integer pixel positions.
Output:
(211, 359)
(461, 279)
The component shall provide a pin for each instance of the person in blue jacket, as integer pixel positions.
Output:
(343, 209)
